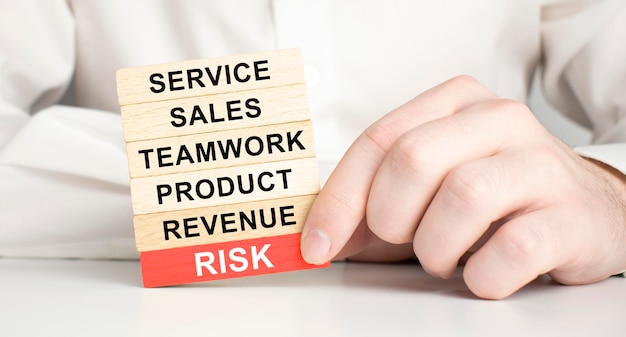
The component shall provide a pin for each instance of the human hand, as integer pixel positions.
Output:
(459, 170)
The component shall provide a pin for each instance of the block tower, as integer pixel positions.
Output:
(222, 165)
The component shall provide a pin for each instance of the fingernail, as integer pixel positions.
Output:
(315, 246)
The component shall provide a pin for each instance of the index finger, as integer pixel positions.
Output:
(341, 204)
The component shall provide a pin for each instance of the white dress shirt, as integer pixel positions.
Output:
(63, 171)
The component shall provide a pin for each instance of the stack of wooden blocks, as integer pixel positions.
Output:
(222, 165)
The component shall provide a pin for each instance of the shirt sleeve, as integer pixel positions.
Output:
(64, 182)
(584, 71)
(584, 67)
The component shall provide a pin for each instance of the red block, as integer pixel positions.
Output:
(266, 255)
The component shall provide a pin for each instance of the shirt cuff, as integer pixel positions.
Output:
(613, 155)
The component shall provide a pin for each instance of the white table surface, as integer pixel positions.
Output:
(105, 298)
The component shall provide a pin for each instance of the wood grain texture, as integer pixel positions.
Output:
(154, 119)
(279, 179)
(179, 265)
(210, 225)
(285, 67)
(222, 165)
(205, 151)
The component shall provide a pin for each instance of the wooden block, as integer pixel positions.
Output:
(226, 260)
(209, 76)
(224, 186)
(215, 113)
(222, 165)
(210, 225)
(205, 151)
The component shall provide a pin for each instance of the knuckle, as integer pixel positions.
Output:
(466, 186)
(380, 136)
(468, 87)
(547, 155)
(516, 111)
(510, 104)
(519, 244)
(409, 156)
(552, 162)
(463, 81)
